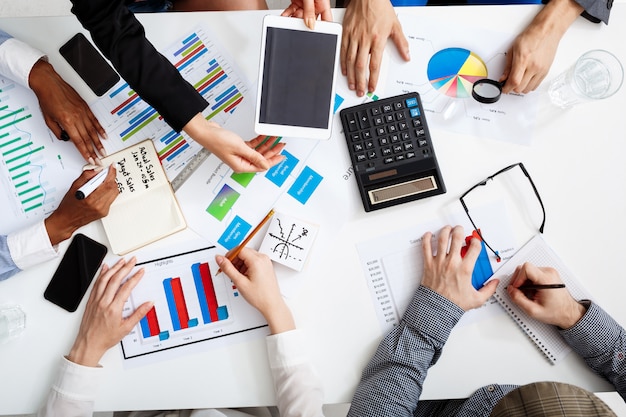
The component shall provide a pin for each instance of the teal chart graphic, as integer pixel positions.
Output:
(453, 71)
(36, 169)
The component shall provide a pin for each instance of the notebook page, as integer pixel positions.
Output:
(545, 336)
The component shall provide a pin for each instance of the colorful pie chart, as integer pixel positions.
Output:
(453, 71)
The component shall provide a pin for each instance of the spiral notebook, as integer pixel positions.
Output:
(545, 336)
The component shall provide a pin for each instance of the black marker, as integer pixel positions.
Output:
(89, 187)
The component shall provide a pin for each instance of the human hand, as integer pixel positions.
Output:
(64, 109)
(102, 325)
(367, 24)
(253, 274)
(553, 306)
(530, 57)
(73, 213)
(449, 274)
(230, 148)
(309, 10)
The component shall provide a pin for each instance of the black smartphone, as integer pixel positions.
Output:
(75, 272)
(89, 64)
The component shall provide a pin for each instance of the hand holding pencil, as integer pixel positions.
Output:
(232, 254)
(549, 302)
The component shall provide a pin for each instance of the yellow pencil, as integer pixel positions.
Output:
(232, 255)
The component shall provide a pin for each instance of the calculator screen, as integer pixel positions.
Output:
(392, 192)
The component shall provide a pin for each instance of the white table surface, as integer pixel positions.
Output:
(576, 159)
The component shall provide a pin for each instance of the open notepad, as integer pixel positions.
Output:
(146, 209)
(545, 336)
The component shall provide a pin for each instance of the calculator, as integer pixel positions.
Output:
(391, 151)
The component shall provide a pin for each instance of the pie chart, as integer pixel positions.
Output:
(453, 71)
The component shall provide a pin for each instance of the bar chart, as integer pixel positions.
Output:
(36, 172)
(128, 119)
(191, 304)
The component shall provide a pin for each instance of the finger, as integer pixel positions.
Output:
(519, 298)
(442, 241)
(427, 249)
(94, 136)
(402, 44)
(374, 68)
(288, 12)
(343, 53)
(472, 254)
(488, 289)
(53, 126)
(361, 68)
(254, 159)
(229, 269)
(508, 86)
(308, 7)
(103, 280)
(457, 237)
(113, 286)
(327, 15)
(519, 276)
(132, 320)
(124, 291)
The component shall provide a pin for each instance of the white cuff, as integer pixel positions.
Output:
(286, 349)
(31, 246)
(17, 59)
(77, 381)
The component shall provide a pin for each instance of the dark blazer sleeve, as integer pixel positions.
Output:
(596, 11)
(121, 38)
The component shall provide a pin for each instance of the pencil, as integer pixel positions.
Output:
(231, 257)
(541, 286)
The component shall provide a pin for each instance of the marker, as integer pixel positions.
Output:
(89, 187)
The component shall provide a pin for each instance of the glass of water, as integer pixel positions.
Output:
(12, 322)
(596, 75)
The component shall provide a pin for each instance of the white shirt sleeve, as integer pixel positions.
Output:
(298, 388)
(17, 59)
(73, 393)
(31, 246)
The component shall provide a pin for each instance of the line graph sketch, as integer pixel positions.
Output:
(288, 240)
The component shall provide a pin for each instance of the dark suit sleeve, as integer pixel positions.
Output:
(596, 11)
(121, 38)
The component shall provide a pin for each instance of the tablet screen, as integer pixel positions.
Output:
(298, 76)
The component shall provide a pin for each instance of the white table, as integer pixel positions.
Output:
(576, 160)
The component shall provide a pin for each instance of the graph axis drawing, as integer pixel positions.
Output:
(286, 241)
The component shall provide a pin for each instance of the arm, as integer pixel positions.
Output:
(367, 24)
(36, 244)
(60, 104)
(74, 390)
(590, 331)
(392, 381)
(530, 57)
(298, 388)
(121, 38)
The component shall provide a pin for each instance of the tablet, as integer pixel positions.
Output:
(297, 75)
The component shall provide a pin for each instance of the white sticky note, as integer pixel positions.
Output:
(288, 240)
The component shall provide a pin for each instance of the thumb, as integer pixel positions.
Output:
(489, 288)
(400, 41)
(519, 298)
(255, 159)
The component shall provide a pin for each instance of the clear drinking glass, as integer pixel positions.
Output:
(12, 322)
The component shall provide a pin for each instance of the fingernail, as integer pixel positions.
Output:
(310, 23)
(91, 161)
(102, 152)
(219, 259)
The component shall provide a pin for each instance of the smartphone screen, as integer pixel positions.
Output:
(89, 64)
(75, 272)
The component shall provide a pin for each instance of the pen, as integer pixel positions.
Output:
(239, 247)
(540, 286)
(89, 187)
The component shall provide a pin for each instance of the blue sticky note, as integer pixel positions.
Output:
(305, 185)
(279, 173)
(234, 233)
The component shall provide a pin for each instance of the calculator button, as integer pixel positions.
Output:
(358, 147)
(417, 122)
(411, 102)
(378, 120)
(383, 141)
(369, 144)
(397, 105)
(419, 132)
(415, 112)
(394, 138)
(380, 131)
(366, 134)
(399, 157)
(388, 160)
(360, 157)
(410, 155)
(364, 121)
(372, 154)
(389, 118)
(400, 115)
(386, 151)
(397, 148)
(422, 142)
(392, 128)
(355, 137)
(387, 108)
(375, 111)
(408, 146)
(405, 135)
(402, 126)
(352, 123)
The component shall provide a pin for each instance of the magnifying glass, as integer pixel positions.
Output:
(487, 91)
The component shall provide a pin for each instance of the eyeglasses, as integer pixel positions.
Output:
(484, 182)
